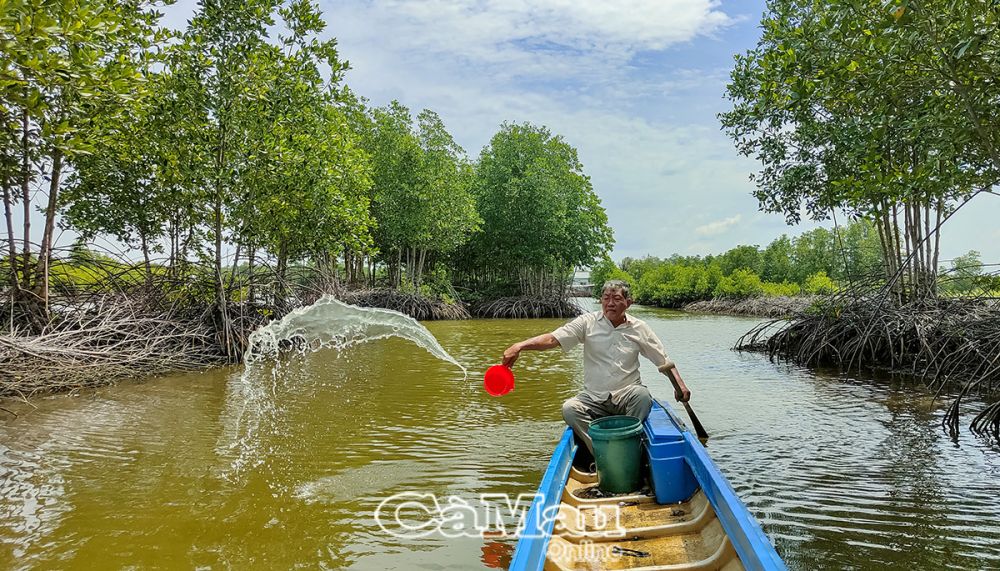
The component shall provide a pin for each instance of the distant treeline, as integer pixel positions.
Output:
(819, 261)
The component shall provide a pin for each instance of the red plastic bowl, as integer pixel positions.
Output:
(499, 380)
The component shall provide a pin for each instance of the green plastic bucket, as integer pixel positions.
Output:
(617, 453)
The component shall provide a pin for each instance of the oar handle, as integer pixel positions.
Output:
(698, 428)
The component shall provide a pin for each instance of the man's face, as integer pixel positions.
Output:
(614, 304)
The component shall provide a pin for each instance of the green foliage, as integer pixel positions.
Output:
(819, 284)
(740, 258)
(786, 267)
(786, 289)
(447, 214)
(437, 284)
(776, 261)
(674, 284)
(124, 188)
(742, 283)
(815, 251)
(537, 208)
(66, 70)
(874, 108)
(965, 276)
(606, 270)
(62, 61)
(235, 139)
(421, 196)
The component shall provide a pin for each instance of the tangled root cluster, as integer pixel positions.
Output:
(526, 307)
(942, 341)
(414, 305)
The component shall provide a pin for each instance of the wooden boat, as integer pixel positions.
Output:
(690, 520)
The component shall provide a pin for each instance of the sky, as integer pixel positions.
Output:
(634, 85)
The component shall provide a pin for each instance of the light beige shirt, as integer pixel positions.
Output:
(611, 354)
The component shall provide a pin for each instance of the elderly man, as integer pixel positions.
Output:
(612, 342)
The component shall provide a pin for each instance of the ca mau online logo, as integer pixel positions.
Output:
(415, 515)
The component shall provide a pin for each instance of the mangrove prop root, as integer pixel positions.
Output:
(761, 306)
(108, 318)
(112, 339)
(943, 341)
(416, 306)
(526, 307)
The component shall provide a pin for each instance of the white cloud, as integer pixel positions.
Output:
(522, 38)
(718, 227)
(644, 169)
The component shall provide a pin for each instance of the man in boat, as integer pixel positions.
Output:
(612, 342)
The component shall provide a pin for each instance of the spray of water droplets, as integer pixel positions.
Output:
(252, 401)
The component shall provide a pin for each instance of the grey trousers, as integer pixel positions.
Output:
(579, 411)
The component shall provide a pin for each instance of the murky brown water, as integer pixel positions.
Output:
(843, 474)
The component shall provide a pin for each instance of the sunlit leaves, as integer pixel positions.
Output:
(538, 207)
(875, 108)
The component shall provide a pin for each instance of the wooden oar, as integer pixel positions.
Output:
(698, 428)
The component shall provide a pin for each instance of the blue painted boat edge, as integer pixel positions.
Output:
(529, 555)
(748, 538)
(751, 543)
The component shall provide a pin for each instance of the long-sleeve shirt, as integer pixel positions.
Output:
(611, 354)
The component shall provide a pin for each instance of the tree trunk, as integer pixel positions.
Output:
(145, 257)
(220, 292)
(45, 251)
(26, 200)
(233, 269)
(411, 263)
(419, 277)
(928, 254)
(920, 266)
(252, 290)
(907, 237)
(9, 219)
(172, 256)
(185, 245)
(347, 264)
(399, 268)
(937, 243)
(899, 252)
(282, 266)
(882, 237)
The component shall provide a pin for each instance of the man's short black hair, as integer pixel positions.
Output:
(618, 285)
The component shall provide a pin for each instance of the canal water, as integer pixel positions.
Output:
(185, 472)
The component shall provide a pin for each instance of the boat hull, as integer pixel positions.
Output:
(691, 520)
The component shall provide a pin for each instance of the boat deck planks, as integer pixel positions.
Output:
(689, 519)
(648, 536)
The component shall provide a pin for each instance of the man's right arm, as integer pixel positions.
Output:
(567, 336)
(537, 343)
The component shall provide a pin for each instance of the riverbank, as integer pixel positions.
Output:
(762, 306)
(97, 339)
(949, 343)
(106, 339)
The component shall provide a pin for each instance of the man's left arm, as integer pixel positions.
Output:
(652, 348)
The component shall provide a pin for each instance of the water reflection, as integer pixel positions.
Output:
(843, 473)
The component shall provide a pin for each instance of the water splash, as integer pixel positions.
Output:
(253, 405)
(330, 323)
